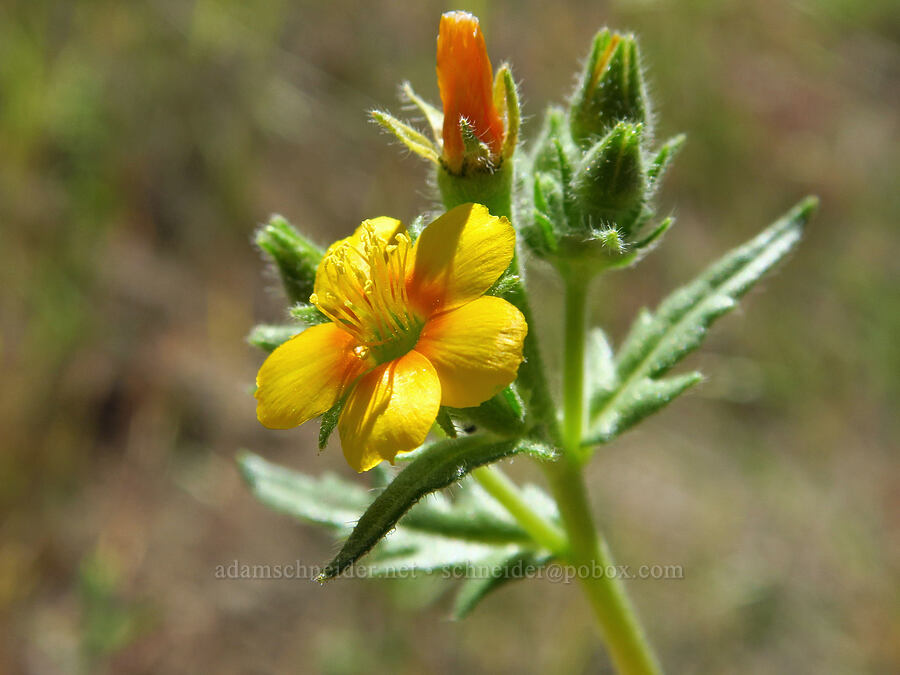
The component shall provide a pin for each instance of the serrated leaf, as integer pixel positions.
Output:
(407, 551)
(492, 573)
(638, 401)
(327, 500)
(435, 534)
(412, 139)
(657, 342)
(267, 336)
(338, 503)
(601, 364)
(444, 463)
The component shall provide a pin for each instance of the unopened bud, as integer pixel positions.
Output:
(610, 185)
(293, 254)
(612, 89)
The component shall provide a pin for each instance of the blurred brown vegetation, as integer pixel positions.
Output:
(141, 142)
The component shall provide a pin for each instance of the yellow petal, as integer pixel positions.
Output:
(390, 410)
(305, 376)
(458, 257)
(476, 349)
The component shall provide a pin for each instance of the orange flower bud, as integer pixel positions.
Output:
(466, 81)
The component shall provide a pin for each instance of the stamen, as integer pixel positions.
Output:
(367, 293)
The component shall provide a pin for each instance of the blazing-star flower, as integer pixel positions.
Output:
(466, 83)
(411, 330)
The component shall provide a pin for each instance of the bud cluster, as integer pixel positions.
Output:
(593, 172)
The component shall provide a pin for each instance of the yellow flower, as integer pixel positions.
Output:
(410, 331)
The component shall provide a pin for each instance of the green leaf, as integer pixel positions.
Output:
(601, 364)
(406, 552)
(657, 342)
(492, 573)
(267, 337)
(412, 139)
(444, 463)
(435, 534)
(473, 516)
(327, 500)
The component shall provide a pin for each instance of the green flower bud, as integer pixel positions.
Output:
(612, 89)
(610, 185)
(293, 254)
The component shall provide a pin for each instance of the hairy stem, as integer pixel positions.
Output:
(589, 554)
(573, 361)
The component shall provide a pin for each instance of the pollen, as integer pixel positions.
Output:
(366, 282)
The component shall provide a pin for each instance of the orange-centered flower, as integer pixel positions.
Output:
(466, 82)
(410, 330)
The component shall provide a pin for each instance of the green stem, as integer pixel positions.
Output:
(628, 647)
(573, 361)
(589, 554)
(501, 488)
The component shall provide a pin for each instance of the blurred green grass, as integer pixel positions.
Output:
(141, 142)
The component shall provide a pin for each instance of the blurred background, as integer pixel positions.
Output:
(142, 142)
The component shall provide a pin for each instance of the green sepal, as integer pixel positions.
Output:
(445, 422)
(477, 155)
(506, 284)
(610, 183)
(268, 336)
(443, 464)
(658, 341)
(506, 99)
(612, 89)
(554, 132)
(329, 421)
(308, 314)
(654, 236)
(502, 414)
(663, 159)
(432, 115)
(293, 254)
(494, 572)
(414, 140)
